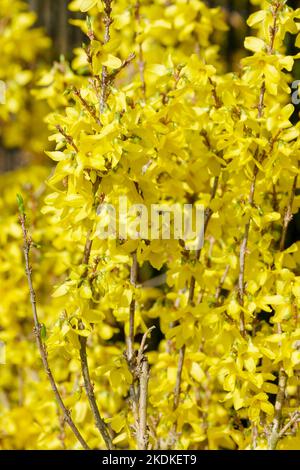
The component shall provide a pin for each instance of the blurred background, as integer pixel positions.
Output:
(56, 20)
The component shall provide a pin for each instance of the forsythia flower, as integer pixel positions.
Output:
(150, 114)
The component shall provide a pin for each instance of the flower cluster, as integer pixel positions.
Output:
(22, 48)
(150, 114)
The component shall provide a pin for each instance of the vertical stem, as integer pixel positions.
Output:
(133, 390)
(260, 107)
(282, 382)
(89, 389)
(178, 377)
(107, 20)
(243, 251)
(282, 378)
(141, 61)
(223, 279)
(207, 216)
(99, 422)
(39, 341)
(133, 280)
(288, 214)
(143, 401)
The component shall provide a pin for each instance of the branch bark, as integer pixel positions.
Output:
(288, 214)
(207, 216)
(143, 438)
(141, 61)
(89, 389)
(276, 433)
(37, 331)
(276, 6)
(243, 252)
(107, 20)
(293, 420)
(133, 280)
(99, 422)
(222, 280)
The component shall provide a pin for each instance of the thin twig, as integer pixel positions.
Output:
(141, 61)
(142, 371)
(107, 20)
(68, 138)
(295, 418)
(207, 216)
(282, 379)
(89, 108)
(288, 214)
(133, 280)
(275, 433)
(222, 280)
(143, 437)
(178, 377)
(143, 344)
(133, 390)
(89, 389)
(244, 244)
(243, 251)
(125, 63)
(39, 340)
(217, 99)
(99, 422)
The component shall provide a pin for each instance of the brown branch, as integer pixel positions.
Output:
(274, 198)
(89, 108)
(87, 250)
(243, 249)
(99, 422)
(68, 138)
(89, 389)
(131, 359)
(143, 344)
(261, 102)
(222, 280)
(142, 373)
(62, 434)
(107, 20)
(178, 377)
(133, 280)
(273, 31)
(288, 214)
(141, 61)
(282, 380)
(217, 99)
(254, 436)
(277, 5)
(142, 435)
(125, 63)
(295, 418)
(37, 331)
(207, 215)
(275, 433)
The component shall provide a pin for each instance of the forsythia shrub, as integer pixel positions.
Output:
(148, 113)
(22, 48)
